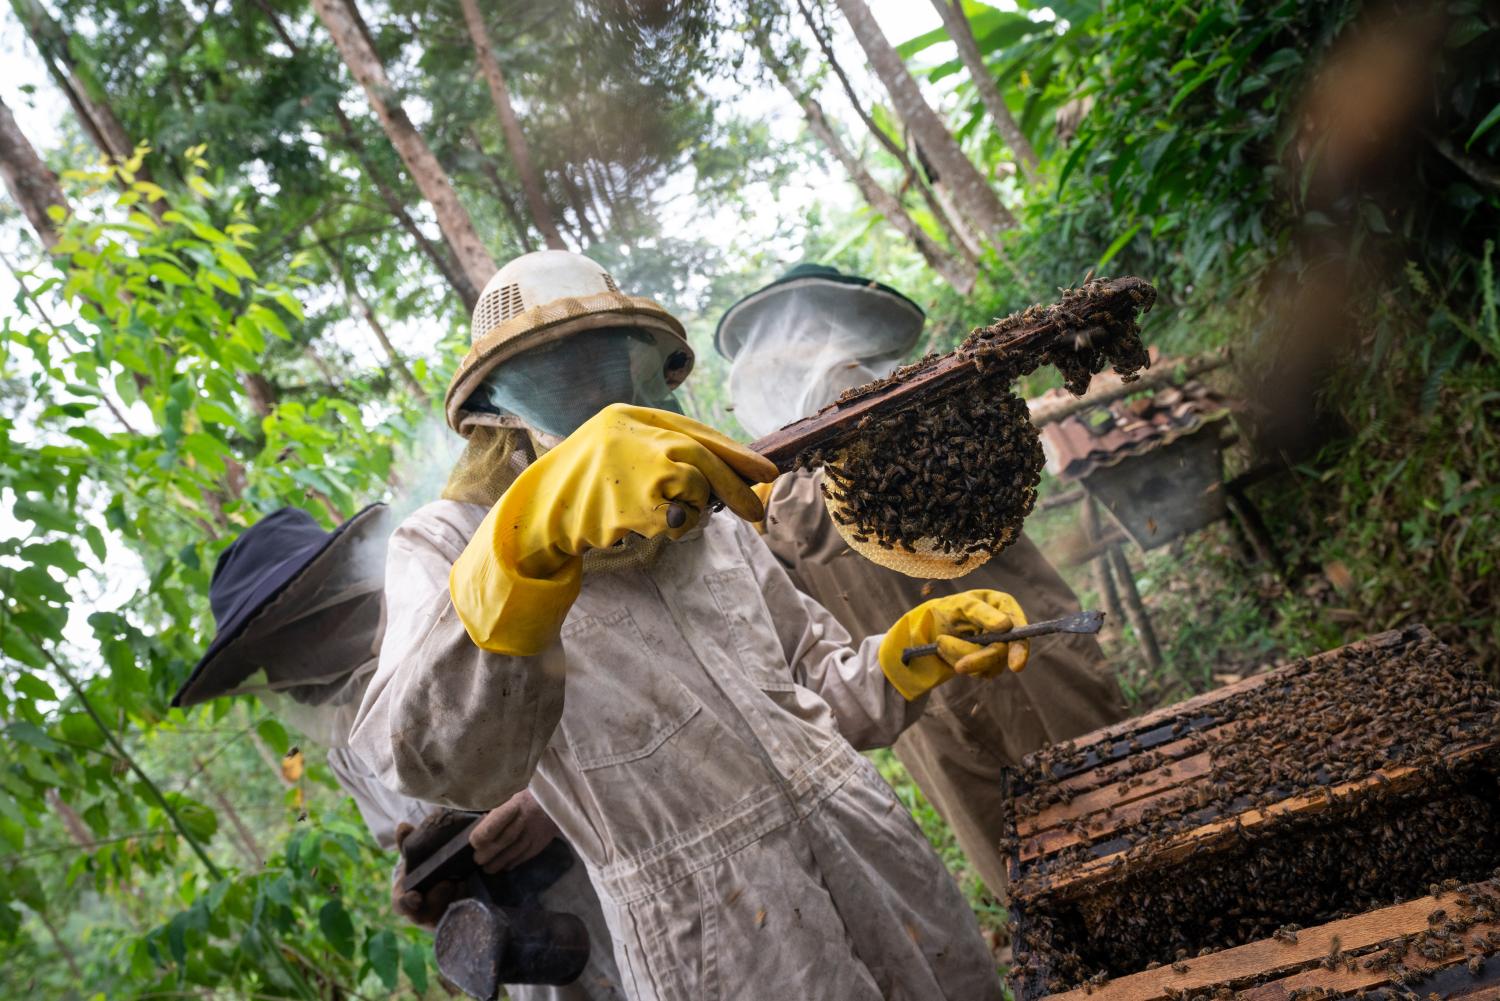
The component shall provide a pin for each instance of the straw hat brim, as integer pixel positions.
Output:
(555, 321)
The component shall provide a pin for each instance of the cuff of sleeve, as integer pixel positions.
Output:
(919, 677)
(503, 610)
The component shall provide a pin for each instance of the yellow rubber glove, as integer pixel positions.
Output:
(618, 473)
(763, 492)
(945, 621)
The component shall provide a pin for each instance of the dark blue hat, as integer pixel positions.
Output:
(266, 560)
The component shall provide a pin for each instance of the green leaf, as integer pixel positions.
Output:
(289, 302)
(35, 736)
(80, 728)
(199, 820)
(274, 734)
(414, 962)
(234, 263)
(1374, 218)
(169, 274)
(1197, 81)
(1281, 59)
(95, 540)
(214, 412)
(1484, 126)
(223, 281)
(268, 319)
(1118, 245)
(1082, 143)
(177, 938)
(337, 928)
(383, 950)
(11, 810)
(208, 450)
(46, 515)
(34, 687)
(58, 553)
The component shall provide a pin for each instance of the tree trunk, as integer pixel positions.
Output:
(577, 196)
(503, 194)
(62, 946)
(520, 150)
(92, 110)
(971, 191)
(359, 306)
(457, 280)
(962, 34)
(321, 364)
(96, 117)
(955, 271)
(960, 239)
(245, 841)
(269, 757)
(31, 184)
(340, 17)
(77, 829)
(261, 393)
(397, 363)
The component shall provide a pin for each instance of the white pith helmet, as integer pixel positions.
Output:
(547, 296)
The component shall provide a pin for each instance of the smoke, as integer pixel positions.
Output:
(423, 467)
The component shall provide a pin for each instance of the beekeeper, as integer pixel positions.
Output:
(701, 762)
(298, 612)
(794, 346)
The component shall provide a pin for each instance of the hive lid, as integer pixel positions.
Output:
(1076, 446)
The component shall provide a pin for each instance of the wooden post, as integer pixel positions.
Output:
(1254, 529)
(1104, 583)
(1133, 607)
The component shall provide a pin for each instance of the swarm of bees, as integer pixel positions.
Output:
(1357, 717)
(959, 474)
(943, 477)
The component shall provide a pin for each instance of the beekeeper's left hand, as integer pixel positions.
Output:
(512, 833)
(625, 470)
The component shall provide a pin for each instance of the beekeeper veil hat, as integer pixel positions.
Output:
(555, 341)
(300, 614)
(799, 342)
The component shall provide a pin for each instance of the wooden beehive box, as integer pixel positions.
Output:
(1442, 945)
(1334, 786)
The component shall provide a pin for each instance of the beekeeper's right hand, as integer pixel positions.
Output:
(420, 907)
(946, 621)
(619, 473)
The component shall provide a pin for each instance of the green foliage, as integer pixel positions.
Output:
(144, 442)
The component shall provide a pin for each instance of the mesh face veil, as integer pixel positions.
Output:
(556, 387)
(539, 301)
(803, 342)
(310, 653)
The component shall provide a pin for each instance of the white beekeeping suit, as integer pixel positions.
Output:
(300, 615)
(794, 346)
(692, 725)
